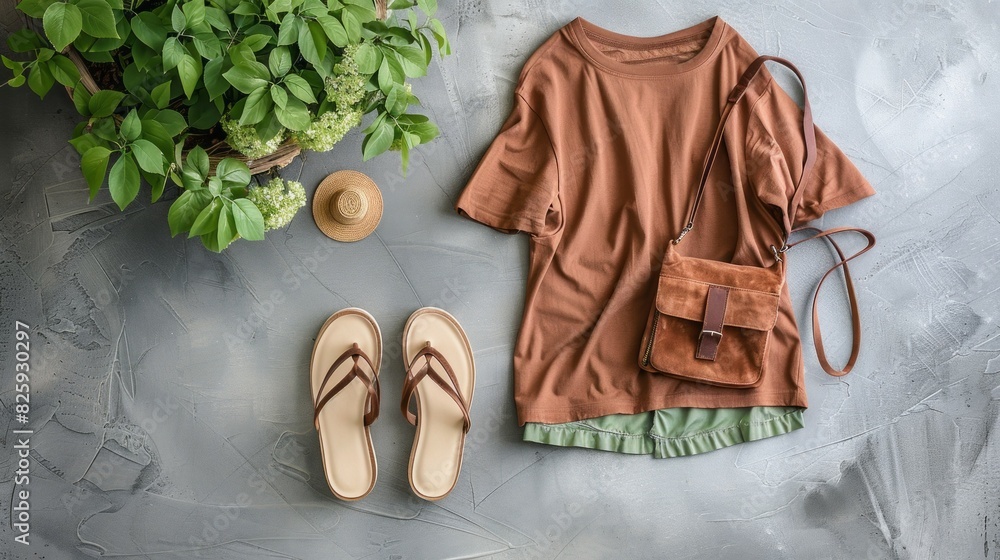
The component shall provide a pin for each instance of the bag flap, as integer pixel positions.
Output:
(746, 308)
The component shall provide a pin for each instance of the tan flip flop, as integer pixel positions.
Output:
(436, 348)
(345, 389)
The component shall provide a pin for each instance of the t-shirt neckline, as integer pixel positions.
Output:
(583, 30)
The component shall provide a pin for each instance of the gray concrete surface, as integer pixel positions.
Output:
(170, 407)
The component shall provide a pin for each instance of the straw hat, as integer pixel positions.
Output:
(347, 206)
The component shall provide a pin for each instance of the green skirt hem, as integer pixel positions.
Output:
(583, 434)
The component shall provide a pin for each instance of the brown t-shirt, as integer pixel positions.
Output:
(597, 162)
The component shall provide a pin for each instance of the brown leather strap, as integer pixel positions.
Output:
(373, 398)
(427, 371)
(711, 326)
(808, 130)
(851, 296)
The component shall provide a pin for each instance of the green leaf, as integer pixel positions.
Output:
(227, 227)
(279, 61)
(81, 100)
(40, 80)
(85, 141)
(34, 8)
(300, 88)
(437, 29)
(279, 95)
(375, 123)
(94, 164)
(404, 154)
(194, 12)
(233, 172)
(158, 135)
(131, 127)
(241, 53)
(215, 82)
(249, 221)
(185, 210)
(143, 56)
(124, 181)
(425, 45)
(334, 30)
(148, 29)
(425, 130)
(173, 51)
(15, 66)
(368, 58)
(215, 186)
(189, 70)
(197, 162)
(395, 102)
(311, 49)
(218, 19)
(245, 9)
(257, 105)
(378, 141)
(385, 78)
(207, 220)
(172, 121)
(211, 242)
(62, 23)
(247, 76)
(207, 45)
(294, 115)
(156, 184)
(161, 95)
(64, 71)
(269, 127)
(411, 58)
(256, 42)
(178, 21)
(428, 6)
(98, 19)
(352, 25)
(148, 156)
(25, 40)
(104, 128)
(288, 31)
(203, 113)
(104, 102)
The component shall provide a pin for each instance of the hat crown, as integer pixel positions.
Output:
(349, 206)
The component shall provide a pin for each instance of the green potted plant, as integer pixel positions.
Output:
(206, 93)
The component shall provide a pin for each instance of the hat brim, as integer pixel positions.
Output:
(325, 220)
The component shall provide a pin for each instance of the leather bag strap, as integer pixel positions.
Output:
(808, 131)
(851, 296)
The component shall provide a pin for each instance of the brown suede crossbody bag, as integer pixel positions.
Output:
(711, 321)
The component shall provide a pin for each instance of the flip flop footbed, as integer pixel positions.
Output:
(345, 441)
(436, 456)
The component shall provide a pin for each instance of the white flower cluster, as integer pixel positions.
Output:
(278, 201)
(245, 140)
(346, 88)
(327, 130)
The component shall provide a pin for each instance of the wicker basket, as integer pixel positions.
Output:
(281, 157)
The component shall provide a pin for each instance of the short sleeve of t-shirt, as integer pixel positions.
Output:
(514, 186)
(776, 152)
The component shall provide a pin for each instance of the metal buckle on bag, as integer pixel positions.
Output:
(778, 252)
(710, 333)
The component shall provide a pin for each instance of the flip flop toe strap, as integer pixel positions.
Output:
(371, 384)
(427, 371)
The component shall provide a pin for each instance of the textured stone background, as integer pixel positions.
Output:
(169, 384)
